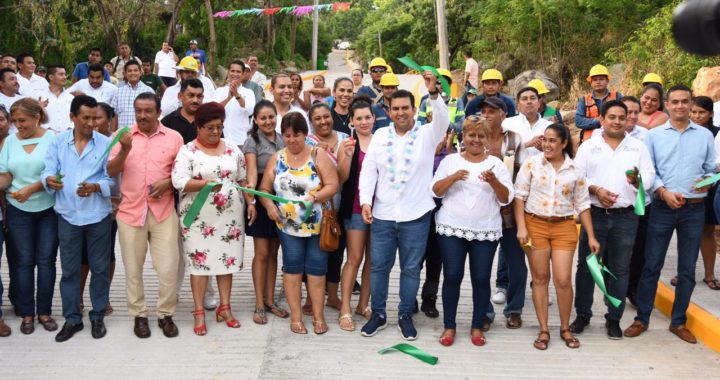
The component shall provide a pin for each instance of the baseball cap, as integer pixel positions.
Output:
(493, 102)
(193, 42)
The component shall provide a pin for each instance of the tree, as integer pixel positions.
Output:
(170, 36)
(213, 39)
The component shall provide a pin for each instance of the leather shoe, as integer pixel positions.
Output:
(142, 328)
(486, 324)
(68, 330)
(635, 329)
(514, 321)
(48, 323)
(168, 327)
(613, 329)
(683, 333)
(27, 326)
(428, 307)
(579, 325)
(98, 329)
(4, 329)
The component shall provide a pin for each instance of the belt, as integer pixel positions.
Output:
(620, 210)
(552, 219)
(687, 201)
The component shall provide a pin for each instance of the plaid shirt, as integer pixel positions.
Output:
(123, 102)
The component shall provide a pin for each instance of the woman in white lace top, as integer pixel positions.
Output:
(473, 185)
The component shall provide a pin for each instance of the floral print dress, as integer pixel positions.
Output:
(214, 243)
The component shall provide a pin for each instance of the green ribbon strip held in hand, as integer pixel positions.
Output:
(640, 200)
(114, 142)
(412, 351)
(407, 61)
(708, 181)
(204, 193)
(596, 269)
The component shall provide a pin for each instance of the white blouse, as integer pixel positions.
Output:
(470, 209)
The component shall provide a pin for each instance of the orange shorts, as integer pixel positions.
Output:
(560, 236)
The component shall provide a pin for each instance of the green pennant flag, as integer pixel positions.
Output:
(114, 142)
(640, 199)
(412, 351)
(409, 62)
(596, 269)
(708, 181)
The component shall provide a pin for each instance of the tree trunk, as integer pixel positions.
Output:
(270, 47)
(170, 36)
(112, 36)
(293, 34)
(213, 39)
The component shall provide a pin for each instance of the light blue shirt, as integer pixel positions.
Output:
(62, 157)
(26, 169)
(680, 159)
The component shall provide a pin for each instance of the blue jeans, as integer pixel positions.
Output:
(688, 222)
(409, 240)
(35, 236)
(303, 255)
(616, 235)
(454, 250)
(96, 238)
(512, 257)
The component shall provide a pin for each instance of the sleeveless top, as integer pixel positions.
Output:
(295, 184)
(653, 116)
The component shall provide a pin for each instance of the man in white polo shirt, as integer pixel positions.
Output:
(95, 85)
(26, 70)
(238, 102)
(165, 61)
(9, 88)
(529, 124)
(57, 100)
(187, 68)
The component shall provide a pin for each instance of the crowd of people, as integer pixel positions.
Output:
(150, 152)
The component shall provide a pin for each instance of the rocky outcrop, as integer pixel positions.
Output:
(514, 85)
(707, 83)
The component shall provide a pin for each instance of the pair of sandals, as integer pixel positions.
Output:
(713, 284)
(346, 320)
(319, 327)
(541, 343)
(260, 314)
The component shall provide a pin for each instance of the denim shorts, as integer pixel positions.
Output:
(303, 255)
(356, 223)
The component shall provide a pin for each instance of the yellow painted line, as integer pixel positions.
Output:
(705, 326)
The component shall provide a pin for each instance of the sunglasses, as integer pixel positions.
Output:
(378, 71)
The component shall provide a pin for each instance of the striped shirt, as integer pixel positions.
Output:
(123, 102)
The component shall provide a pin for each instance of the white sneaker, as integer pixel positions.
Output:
(499, 298)
(210, 302)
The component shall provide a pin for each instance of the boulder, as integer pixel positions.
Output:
(514, 85)
(707, 83)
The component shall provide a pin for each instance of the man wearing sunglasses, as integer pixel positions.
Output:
(377, 67)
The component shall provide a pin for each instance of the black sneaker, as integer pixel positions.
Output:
(68, 330)
(613, 329)
(356, 288)
(376, 323)
(407, 328)
(97, 329)
(579, 325)
(428, 307)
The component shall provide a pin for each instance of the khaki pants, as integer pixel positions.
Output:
(163, 239)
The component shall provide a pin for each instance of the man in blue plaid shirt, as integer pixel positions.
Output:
(131, 88)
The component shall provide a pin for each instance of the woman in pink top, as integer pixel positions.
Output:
(651, 107)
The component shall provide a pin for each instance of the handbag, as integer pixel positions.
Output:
(329, 227)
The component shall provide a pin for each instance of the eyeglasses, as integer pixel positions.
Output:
(214, 129)
(375, 71)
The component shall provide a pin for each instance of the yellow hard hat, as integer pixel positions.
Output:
(378, 62)
(188, 64)
(491, 74)
(539, 86)
(598, 70)
(652, 78)
(446, 73)
(389, 79)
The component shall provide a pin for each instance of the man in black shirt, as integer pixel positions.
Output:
(181, 120)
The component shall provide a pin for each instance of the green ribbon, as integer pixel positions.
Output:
(99, 162)
(412, 351)
(204, 193)
(640, 200)
(409, 62)
(596, 269)
(708, 181)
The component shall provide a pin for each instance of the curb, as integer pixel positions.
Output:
(705, 326)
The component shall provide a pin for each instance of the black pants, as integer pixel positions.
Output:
(637, 261)
(433, 263)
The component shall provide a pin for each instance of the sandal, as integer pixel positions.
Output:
(712, 284)
(448, 337)
(542, 344)
(320, 327)
(109, 309)
(478, 340)
(259, 316)
(307, 310)
(298, 327)
(346, 322)
(367, 312)
(277, 310)
(674, 281)
(571, 342)
(202, 329)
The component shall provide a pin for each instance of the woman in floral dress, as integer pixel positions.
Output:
(213, 244)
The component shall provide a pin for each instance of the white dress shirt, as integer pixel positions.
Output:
(166, 63)
(260, 79)
(24, 86)
(405, 194)
(103, 94)
(170, 101)
(8, 101)
(637, 132)
(237, 119)
(38, 85)
(278, 118)
(470, 209)
(58, 110)
(605, 167)
(520, 125)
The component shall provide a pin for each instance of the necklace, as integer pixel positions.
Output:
(400, 171)
(343, 120)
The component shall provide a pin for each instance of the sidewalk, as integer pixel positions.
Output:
(273, 352)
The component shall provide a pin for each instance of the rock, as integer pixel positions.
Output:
(508, 65)
(707, 83)
(617, 73)
(514, 85)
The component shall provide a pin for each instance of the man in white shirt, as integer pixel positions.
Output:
(633, 110)
(57, 100)
(529, 124)
(257, 76)
(9, 61)
(95, 86)
(471, 70)
(187, 68)
(165, 61)
(238, 102)
(613, 193)
(396, 199)
(282, 91)
(26, 70)
(8, 88)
